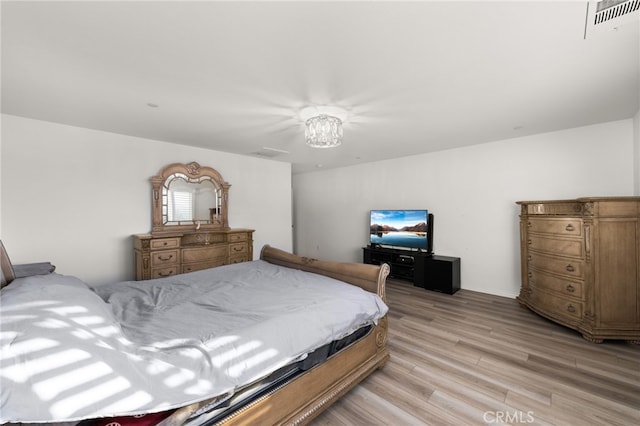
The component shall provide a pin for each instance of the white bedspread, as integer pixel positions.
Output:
(160, 344)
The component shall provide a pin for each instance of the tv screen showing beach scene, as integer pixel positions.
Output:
(399, 228)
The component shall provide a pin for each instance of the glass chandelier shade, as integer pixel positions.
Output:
(323, 131)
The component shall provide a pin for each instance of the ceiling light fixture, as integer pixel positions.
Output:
(323, 131)
(323, 125)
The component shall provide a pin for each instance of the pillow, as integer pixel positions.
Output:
(30, 269)
(5, 265)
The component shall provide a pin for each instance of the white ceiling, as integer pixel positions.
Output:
(414, 76)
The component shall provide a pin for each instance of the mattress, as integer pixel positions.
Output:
(71, 352)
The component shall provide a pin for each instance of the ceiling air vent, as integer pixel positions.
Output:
(269, 152)
(610, 14)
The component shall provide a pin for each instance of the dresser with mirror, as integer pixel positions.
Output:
(190, 227)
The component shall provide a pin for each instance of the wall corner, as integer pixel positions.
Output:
(636, 154)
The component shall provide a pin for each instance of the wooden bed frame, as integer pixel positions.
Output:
(304, 397)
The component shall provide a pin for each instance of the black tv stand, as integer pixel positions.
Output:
(423, 269)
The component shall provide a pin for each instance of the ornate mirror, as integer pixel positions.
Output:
(188, 197)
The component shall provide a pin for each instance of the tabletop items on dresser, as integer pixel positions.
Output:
(580, 264)
(190, 229)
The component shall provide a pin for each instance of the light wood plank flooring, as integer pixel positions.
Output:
(473, 358)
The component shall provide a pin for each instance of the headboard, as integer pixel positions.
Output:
(369, 277)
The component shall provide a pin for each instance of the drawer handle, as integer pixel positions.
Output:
(165, 258)
(530, 274)
(529, 258)
(165, 275)
(165, 243)
(570, 268)
(529, 242)
(238, 248)
(529, 224)
(570, 227)
(570, 288)
(570, 308)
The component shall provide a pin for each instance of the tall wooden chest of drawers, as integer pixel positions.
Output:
(581, 264)
(165, 254)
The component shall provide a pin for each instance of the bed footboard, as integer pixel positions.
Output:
(305, 397)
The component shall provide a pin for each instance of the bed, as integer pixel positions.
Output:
(273, 362)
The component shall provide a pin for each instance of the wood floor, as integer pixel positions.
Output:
(473, 358)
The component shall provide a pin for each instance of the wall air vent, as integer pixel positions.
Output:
(610, 14)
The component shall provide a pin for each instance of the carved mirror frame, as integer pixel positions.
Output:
(191, 173)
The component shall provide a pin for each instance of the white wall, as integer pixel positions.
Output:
(472, 193)
(74, 196)
(1, 120)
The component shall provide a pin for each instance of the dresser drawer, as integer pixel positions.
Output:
(569, 267)
(238, 249)
(164, 258)
(165, 272)
(204, 254)
(240, 236)
(563, 286)
(560, 246)
(192, 267)
(164, 243)
(568, 227)
(558, 306)
(239, 259)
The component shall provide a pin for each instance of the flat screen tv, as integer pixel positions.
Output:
(409, 229)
